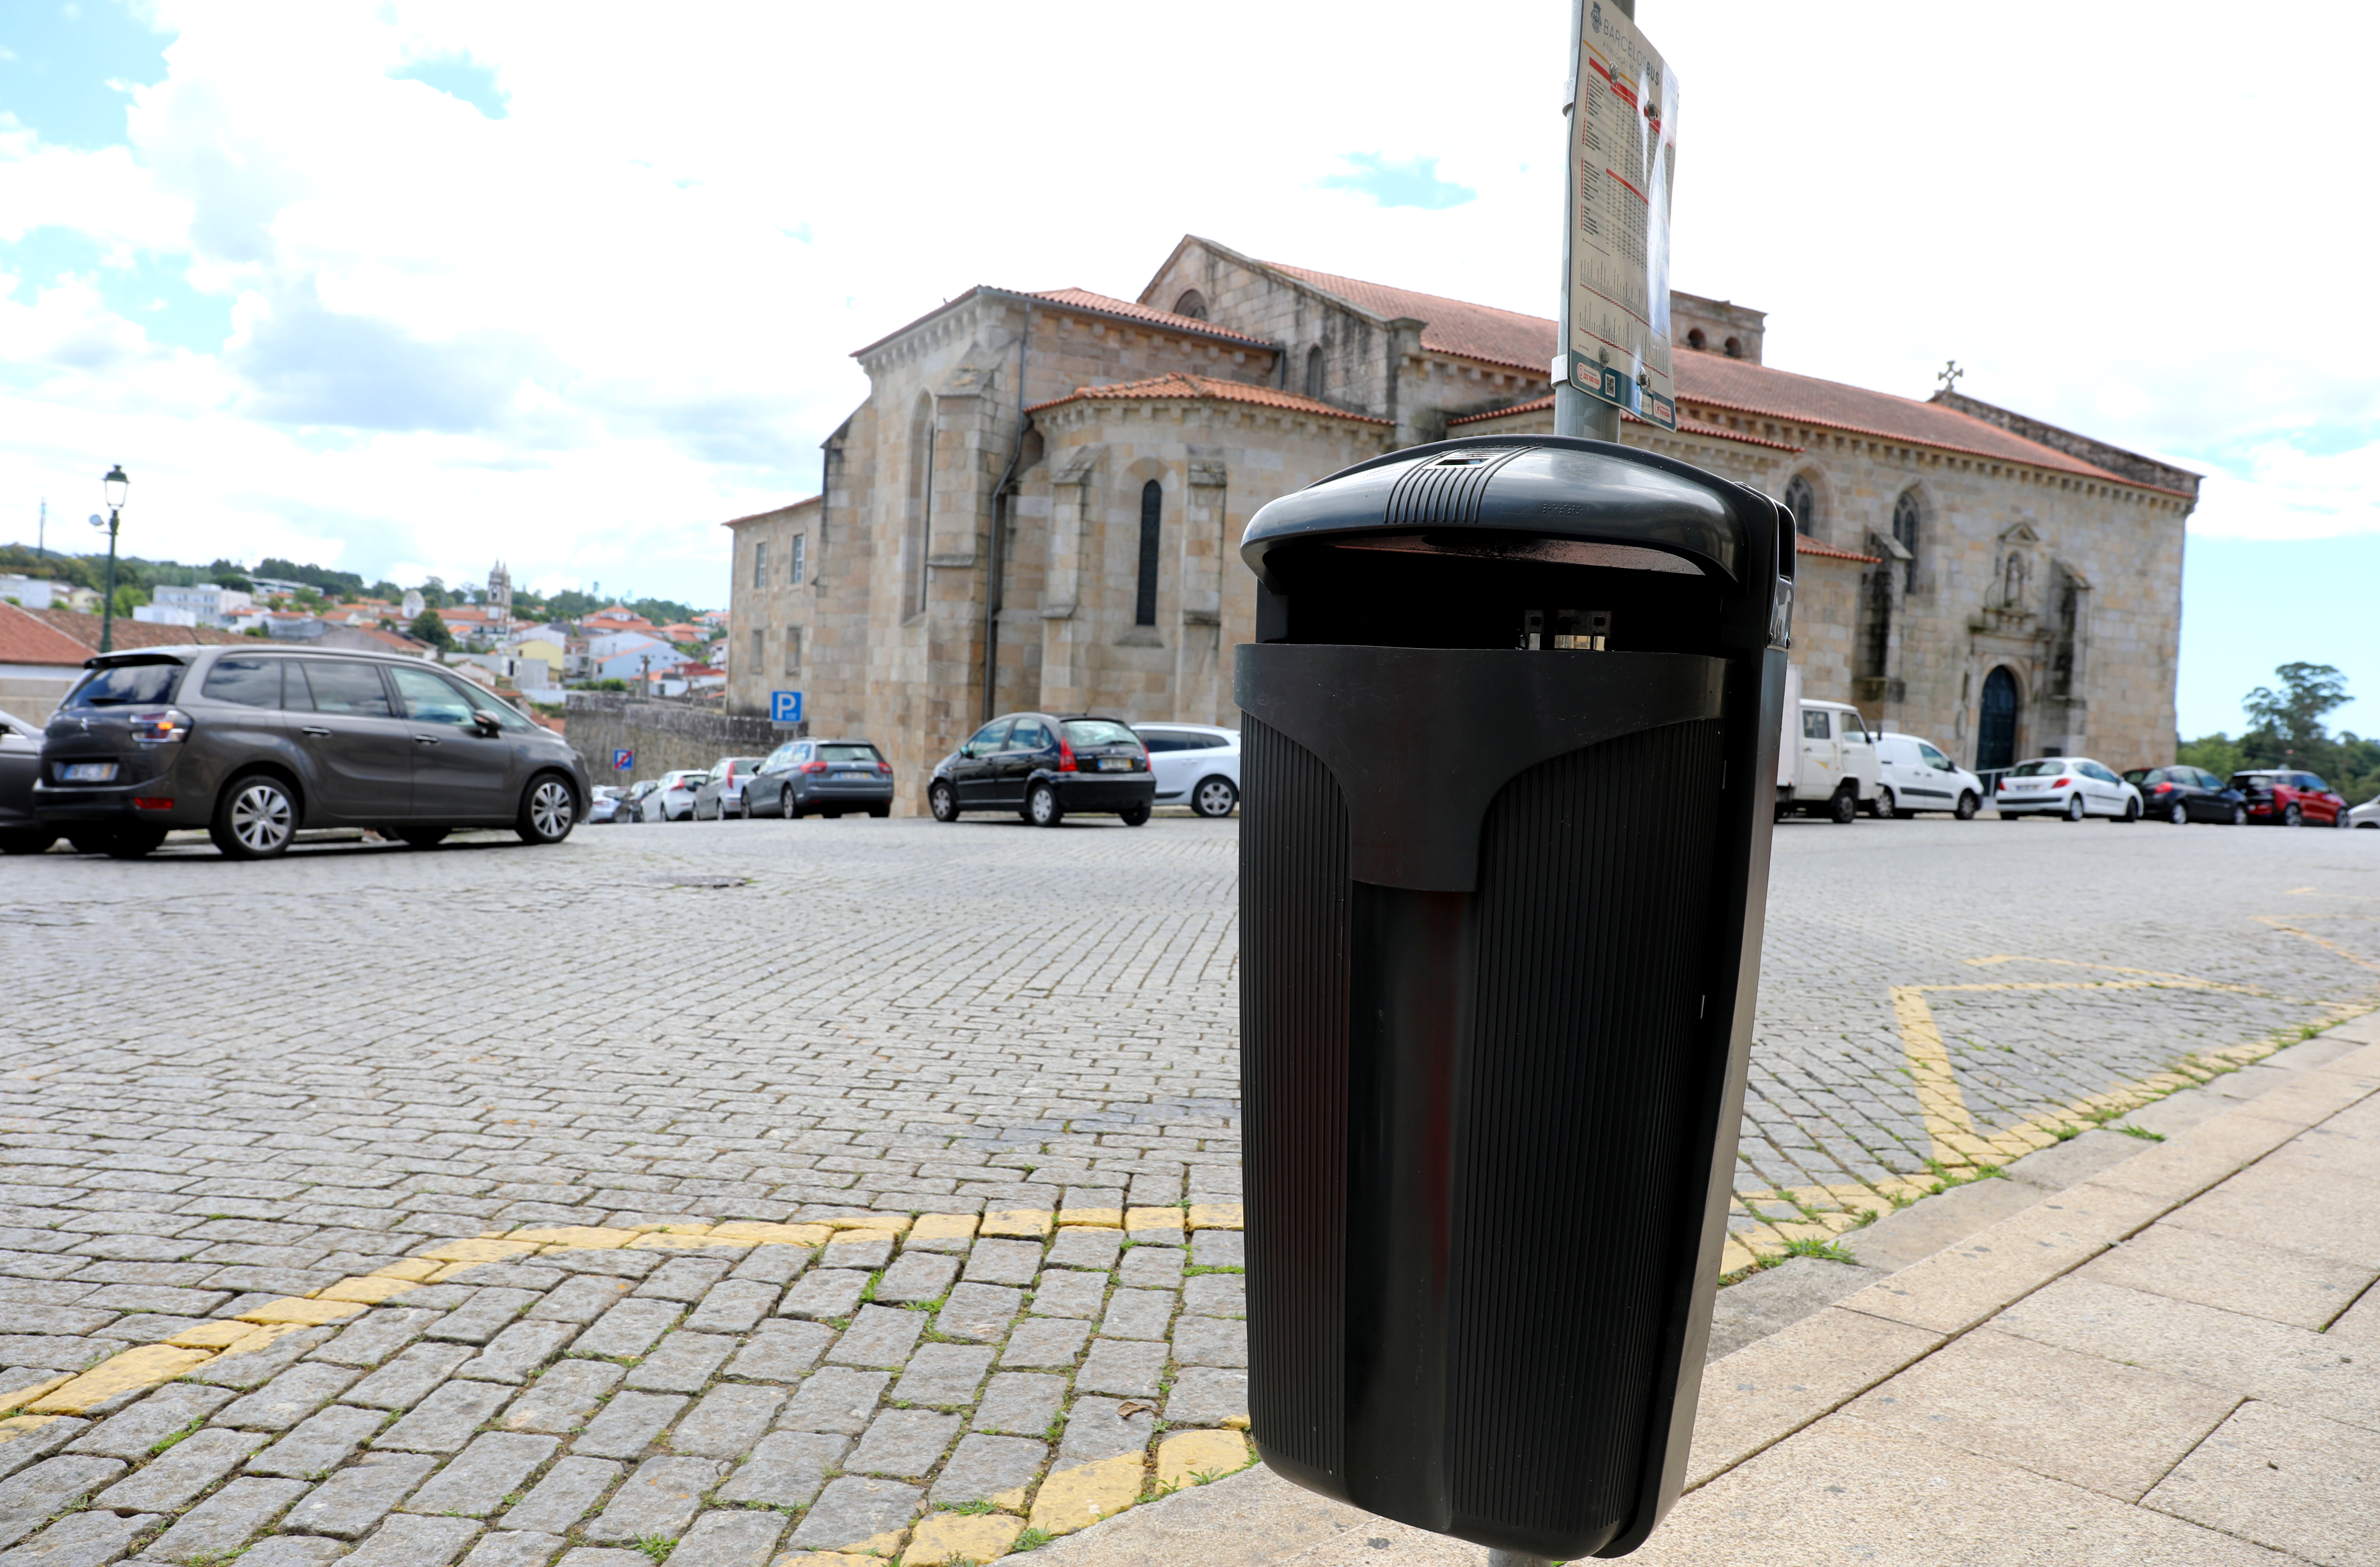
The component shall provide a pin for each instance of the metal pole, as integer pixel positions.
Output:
(107, 606)
(1575, 413)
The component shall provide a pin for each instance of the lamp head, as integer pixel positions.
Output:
(116, 485)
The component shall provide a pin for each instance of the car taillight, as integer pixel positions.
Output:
(813, 767)
(2061, 784)
(156, 728)
(2163, 789)
(1065, 756)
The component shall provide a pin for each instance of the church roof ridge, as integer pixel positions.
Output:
(1449, 326)
(1539, 405)
(1087, 301)
(1188, 384)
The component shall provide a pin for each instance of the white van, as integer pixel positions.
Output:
(1826, 758)
(1913, 775)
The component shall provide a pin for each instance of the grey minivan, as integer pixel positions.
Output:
(252, 744)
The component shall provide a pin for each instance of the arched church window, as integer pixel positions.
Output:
(1736, 347)
(1904, 528)
(1803, 502)
(1152, 519)
(1192, 304)
(1314, 370)
(1694, 339)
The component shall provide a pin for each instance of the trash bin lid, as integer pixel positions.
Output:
(1535, 497)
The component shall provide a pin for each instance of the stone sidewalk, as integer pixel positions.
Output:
(2174, 1359)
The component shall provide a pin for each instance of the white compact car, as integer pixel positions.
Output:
(1913, 775)
(2365, 815)
(2073, 788)
(1196, 765)
(674, 801)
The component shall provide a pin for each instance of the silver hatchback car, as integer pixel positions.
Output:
(252, 744)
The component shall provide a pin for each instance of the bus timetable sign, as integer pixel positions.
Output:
(1623, 158)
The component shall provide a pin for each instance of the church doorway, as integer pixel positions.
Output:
(1996, 737)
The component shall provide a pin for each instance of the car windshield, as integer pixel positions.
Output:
(1098, 732)
(128, 685)
(846, 753)
(2037, 769)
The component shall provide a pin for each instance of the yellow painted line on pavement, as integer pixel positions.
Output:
(2278, 923)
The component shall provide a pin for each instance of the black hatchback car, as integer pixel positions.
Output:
(1046, 767)
(253, 744)
(2188, 793)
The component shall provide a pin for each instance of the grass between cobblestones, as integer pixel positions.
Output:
(1824, 1212)
(470, 1341)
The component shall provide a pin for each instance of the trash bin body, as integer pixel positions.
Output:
(1510, 726)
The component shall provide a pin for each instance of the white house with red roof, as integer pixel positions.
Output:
(1040, 502)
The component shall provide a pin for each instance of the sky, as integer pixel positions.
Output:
(403, 288)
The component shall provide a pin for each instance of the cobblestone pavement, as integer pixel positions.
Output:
(493, 1203)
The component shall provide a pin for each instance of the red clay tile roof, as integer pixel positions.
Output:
(1540, 404)
(1807, 546)
(1084, 299)
(26, 639)
(82, 630)
(779, 511)
(1742, 386)
(1181, 383)
(1452, 326)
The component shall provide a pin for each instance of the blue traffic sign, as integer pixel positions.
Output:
(784, 707)
(622, 761)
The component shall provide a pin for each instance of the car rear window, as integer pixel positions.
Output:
(2252, 781)
(128, 685)
(2037, 769)
(847, 753)
(1098, 732)
(251, 683)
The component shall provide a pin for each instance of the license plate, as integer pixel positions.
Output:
(1115, 764)
(86, 773)
(845, 777)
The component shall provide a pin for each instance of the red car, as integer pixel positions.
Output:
(2291, 799)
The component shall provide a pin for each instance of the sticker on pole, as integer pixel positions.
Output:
(784, 707)
(622, 761)
(1623, 162)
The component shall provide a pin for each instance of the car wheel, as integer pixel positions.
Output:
(131, 843)
(1885, 807)
(1041, 807)
(547, 812)
(423, 837)
(2178, 815)
(1968, 805)
(1843, 809)
(2238, 816)
(256, 818)
(1214, 797)
(1134, 816)
(2131, 811)
(2294, 817)
(30, 842)
(944, 801)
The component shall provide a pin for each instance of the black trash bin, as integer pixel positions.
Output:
(1511, 730)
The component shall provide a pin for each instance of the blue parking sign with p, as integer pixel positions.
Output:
(784, 707)
(622, 761)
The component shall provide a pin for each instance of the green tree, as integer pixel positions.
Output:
(428, 629)
(2217, 753)
(130, 596)
(2294, 713)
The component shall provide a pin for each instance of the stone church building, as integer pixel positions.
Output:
(1040, 502)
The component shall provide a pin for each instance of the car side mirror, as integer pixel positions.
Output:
(484, 721)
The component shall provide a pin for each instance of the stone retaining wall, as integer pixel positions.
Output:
(665, 734)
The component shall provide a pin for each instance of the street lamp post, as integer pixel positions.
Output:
(115, 485)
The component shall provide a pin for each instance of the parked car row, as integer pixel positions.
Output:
(1044, 767)
(1830, 763)
(253, 744)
